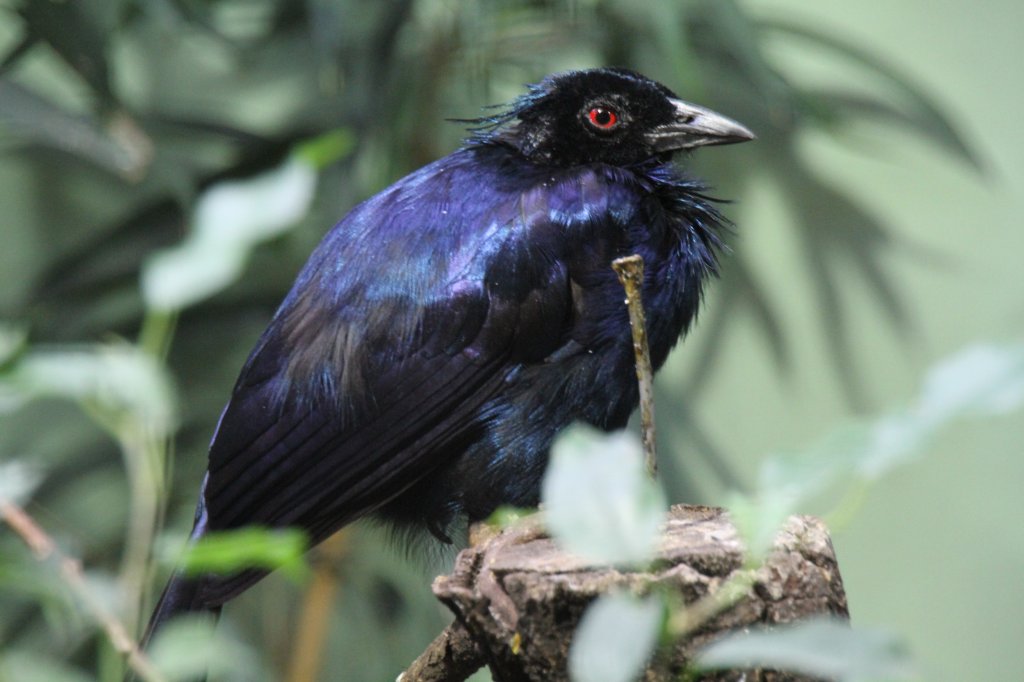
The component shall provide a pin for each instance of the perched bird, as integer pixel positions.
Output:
(445, 331)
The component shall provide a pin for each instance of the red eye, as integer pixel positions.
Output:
(603, 118)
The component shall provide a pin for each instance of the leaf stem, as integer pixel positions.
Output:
(157, 331)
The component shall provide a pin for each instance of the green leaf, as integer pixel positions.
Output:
(76, 34)
(835, 230)
(228, 552)
(820, 647)
(12, 342)
(507, 516)
(599, 502)
(116, 378)
(119, 146)
(189, 647)
(758, 519)
(28, 666)
(230, 219)
(18, 480)
(787, 481)
(323, 150)
(982, 380)
(615, 638)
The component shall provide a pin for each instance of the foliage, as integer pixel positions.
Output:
(229, 552)
(981, 381)
(636, 622)
(141, 143)
(598, 500)
(820, 648)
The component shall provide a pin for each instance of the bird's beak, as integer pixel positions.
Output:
(695, 126)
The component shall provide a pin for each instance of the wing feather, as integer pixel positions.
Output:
(378, 366)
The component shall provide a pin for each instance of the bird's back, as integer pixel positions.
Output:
(447, 329)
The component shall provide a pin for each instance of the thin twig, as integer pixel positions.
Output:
(630, 270)
(44, 548)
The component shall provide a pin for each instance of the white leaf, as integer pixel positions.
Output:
(18, 481)
(230, 219)
(820, 647)
(615, 638)
(980, 380)
(599, 501)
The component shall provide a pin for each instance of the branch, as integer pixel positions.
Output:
(521, 597)
(44, 548)
(452, 657)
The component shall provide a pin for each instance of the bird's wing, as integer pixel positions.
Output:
(397, 355)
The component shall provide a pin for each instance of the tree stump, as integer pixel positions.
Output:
(517, 597)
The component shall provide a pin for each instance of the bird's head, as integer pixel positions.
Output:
(612, 116)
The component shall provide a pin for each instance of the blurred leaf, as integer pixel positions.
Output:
(507, 516)
(820, 647)
(739, 288)
(12, 342)
(119, 147)
(723, 31)
(29, 666)
(116, 378)
(758, 519)
(104, 588)
(730, 58)
(17, 52)
(230, 219)
(924, 113)
(981, 380)
(599, 502)
(228, 552)
(615, 638)
(837, 106)
(18, 480)
(75, 33)
(189, 647)
(327, 148)
(787, 481)
(836, 230)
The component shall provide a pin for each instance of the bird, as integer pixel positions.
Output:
(446, 330)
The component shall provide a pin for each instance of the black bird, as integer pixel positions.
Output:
(449, 327)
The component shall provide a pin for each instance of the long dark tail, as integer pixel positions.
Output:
(181, 595)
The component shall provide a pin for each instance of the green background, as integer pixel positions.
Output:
(937, 550)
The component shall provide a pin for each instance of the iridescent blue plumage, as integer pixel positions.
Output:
(448, 328)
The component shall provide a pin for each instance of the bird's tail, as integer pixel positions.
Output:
(181, 595)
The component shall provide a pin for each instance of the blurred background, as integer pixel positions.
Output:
(877, 232)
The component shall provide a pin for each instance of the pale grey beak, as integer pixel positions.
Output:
(695, 126)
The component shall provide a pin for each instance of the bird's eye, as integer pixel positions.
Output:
(603, 118)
